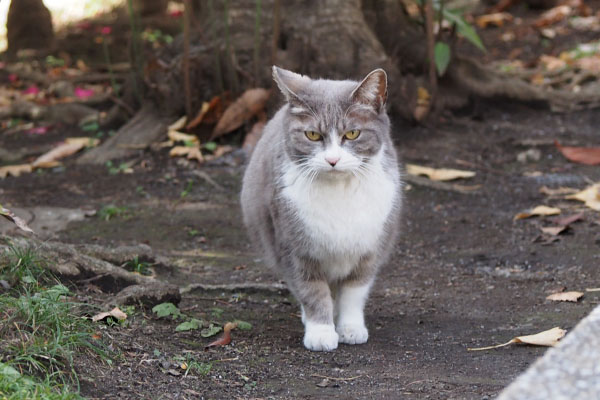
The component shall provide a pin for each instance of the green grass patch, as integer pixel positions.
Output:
(41, 331)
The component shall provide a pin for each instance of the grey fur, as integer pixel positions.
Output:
(331, 108)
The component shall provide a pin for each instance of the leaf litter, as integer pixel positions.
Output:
(549, 338)
(19, 222)
(565, 296)
(590, 196)
(537, 211)
(438, 174)
(115, 313)
(582, 155)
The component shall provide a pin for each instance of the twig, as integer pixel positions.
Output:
(208, 179)
(331, 378)
(226, 359)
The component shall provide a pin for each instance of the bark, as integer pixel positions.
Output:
(28, 26)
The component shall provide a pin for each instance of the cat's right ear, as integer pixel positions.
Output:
(290, 83)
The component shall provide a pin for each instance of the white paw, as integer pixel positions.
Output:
(353, 333)
(320, 337)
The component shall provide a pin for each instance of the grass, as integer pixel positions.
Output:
(110, 211)
(41, 330)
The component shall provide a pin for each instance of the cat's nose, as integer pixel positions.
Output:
(332, 160)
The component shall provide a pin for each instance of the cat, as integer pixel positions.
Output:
(321, 198)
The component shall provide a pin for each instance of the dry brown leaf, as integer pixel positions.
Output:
(423, 104)
(19, 222)
(553, 230)
(496, 19)
(115, 313)
(177, 125)
(210, 112)
(438, 174)
(552, 63)
(553, 16)
(568, 220)
(250, 103)
(252, 137)
(190, 152)
(582, 155)
(225, 339)
(15, 170)
(590, 196)
(565, 296)
(69, 147)
(177, 136)
(558, 191)
(547, 338)
(537, 211)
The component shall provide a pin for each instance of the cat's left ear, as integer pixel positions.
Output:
(372, 90)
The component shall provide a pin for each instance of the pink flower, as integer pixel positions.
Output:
(13, 77)
(83, 93)
(176, 14)
(33, 89)
(106, 30)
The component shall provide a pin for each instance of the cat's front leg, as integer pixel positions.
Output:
(350, 304)
(317, 314)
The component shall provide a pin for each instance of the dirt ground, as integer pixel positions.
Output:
(464, 274)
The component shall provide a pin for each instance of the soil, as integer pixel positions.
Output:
(464, 273)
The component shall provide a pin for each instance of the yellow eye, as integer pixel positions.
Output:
(353, 134)
(312, 135)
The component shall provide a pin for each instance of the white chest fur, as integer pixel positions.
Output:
(343, 216)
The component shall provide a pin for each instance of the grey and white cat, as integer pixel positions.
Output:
(321, 198)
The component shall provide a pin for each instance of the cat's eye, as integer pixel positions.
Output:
(353, 134)
(312, 135)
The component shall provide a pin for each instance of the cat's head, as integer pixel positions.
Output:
(334, 126)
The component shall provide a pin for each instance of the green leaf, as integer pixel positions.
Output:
(243, 325)
(166, 309)
(189, 325)
(464, 28)
(441, 54)
(212, 330)
(90, 127)
(210, 146)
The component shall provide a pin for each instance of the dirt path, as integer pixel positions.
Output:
(463, 275)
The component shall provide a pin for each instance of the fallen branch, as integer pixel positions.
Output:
(237, 287)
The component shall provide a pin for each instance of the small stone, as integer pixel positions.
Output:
(324, 383)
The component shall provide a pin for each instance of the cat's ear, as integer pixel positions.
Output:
(372, 91)
(290, 83)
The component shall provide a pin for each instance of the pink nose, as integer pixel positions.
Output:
(332, 160)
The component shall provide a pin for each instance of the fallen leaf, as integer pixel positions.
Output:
(82, 93)
(558, 191)
(553, 16)
(552, 63)
(568, 220)
(537, 211)
(581, 155)
(225, 339)
(498, 19)
(565, 296)
(69, 147)
(19, 222)
(553, 230)
(438, 174)
(115, 313)
(31, 90)
(177, 136)
(219, 151)
(590, 196)
(252, 137)
(14, 170)
(210, 112)
(423, 104)
(547, 338)
(192, 153)
(177, 125)
(250, 103)
(38, 130)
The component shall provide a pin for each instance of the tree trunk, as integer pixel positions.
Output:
(28, 26)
